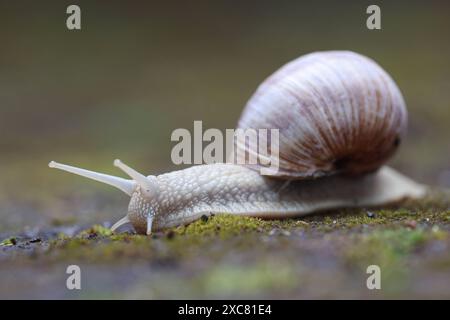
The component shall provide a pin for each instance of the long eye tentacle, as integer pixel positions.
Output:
(125, 185)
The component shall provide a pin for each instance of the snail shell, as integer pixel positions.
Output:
(336, 111)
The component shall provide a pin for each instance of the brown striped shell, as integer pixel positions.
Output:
(336, 111)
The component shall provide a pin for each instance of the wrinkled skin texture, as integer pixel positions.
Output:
(186, 195)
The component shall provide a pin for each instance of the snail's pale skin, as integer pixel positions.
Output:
(182, 196)
(340, 117)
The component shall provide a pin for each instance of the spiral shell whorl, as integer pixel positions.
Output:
(337, 112)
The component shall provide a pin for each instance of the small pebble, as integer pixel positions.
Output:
(92, 235)
(204, 218)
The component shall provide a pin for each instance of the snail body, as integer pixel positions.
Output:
(340, 118)
(186, 195)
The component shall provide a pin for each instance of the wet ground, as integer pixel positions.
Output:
(322, 256)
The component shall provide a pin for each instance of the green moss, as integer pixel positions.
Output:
(389, 247)
(432, 209)
(400, 241)
(97, 250)
(95, 231)
(223, 225)
(8, 242)
(98, 243)
(226, 225)
(383, 234)
(346, 219)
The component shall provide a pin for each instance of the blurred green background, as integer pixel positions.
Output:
(138, 70)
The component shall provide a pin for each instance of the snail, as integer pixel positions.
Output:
(340, 118)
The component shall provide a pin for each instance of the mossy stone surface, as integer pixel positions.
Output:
(319, 256)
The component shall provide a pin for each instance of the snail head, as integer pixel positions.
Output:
(142, 190)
